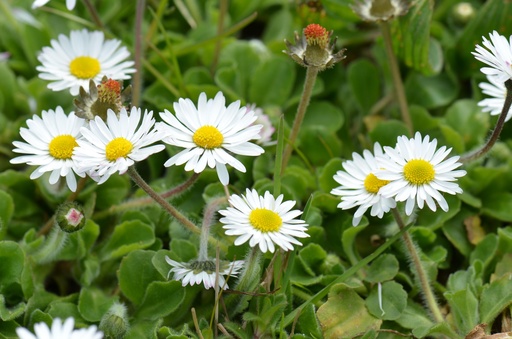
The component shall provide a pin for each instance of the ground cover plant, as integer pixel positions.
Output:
(255, 169)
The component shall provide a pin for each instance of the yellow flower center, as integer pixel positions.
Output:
(419, 172)
(117, 148)
(265, 220)
(372, 184)
(208, 137)
(84, 67)
(61, 147)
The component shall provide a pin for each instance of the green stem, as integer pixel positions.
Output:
(132, 172)
(397, 78)
(419, 271)
(223, 8)
(137, 77)
(94, 14)
(497, 130)
(309, 83)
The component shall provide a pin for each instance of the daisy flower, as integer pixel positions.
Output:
(360, 187)
(114, 146)
(417, 173)
(497, 90)
(263, 221)
(380, 10)
(497, 54)
(70, 4)
(59, 331)
(208, 133)
(203, 271)
(50, 142)
(72, 61)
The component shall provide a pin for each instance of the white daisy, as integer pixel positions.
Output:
(498, 55)
(72, 62)
(114, 146)
(380, 10)
(208, 133)
(417, 173)
(197, 271)
(50, 143)
(264, 221)
(70, 4)
(59, 331)
(360, 187)
(497, 90)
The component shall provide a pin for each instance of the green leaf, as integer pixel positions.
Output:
(344, 314)
(112, 192)
(464, 309)
(264, 92)
(93, 303)
(434, 220)
(308, 323)
(161, 298)
(127, 237)
(10, 313)
(416, 318)
(135, 273)
(497, 205)
(387, 132)
(12, 262)
(324, 115)
(311, 257)
(382, 269)
(494, 298)
(6, 210)
(465, 117)
(485, 250)
(422, 120)
(319, 144)
(431, 92)
(348, 240)
(365, 83)
(394, 301)
(184, 249)
(326, 175)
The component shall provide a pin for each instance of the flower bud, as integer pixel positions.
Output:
(380, 10)
(463, 12)
(114, 323)
(70, 217)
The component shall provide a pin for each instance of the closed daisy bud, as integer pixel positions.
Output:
(70, 217)
(313, 48)
(380, 10)
(114, 323)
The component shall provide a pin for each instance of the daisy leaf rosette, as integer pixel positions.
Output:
(264, 221)
(59, 330)
(50, 142)
(203, 271)
(72, 61)
(113, 146)
(360, 187)
(210, 134)
(497, 92)
(418, 173)
(497, 53)
(70, 4)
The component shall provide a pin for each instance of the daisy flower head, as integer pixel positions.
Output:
(59, 330)
(50, 144)
(380, 10)
(113, 146)
(496, 53)
(72, 61)
(210, 134)
(497, 91)
(70, 4)
(203, 271)
(417, 173)
(360, 187)
(264, 221)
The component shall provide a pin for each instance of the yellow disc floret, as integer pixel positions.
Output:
(117, 148)
(208, 137)
(84, 67)
(372, 184)
(61, 147)
(265, 220)
(419, 172)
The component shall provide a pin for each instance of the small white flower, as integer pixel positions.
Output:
(208, 133)
(114, 146)
(70, 4)
(263, 221)
(417, 173)
(72, 61)
(497, 90)
(197, 271)
(380, 10)
(59, 331)
(267, 130)
(498, 55)
(360, 187)
(50, 143)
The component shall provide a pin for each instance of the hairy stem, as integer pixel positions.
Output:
(208, 219)
(497, 130)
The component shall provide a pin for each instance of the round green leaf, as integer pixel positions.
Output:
(127, 237)
(93, 303)
(161, 298)
(394, 301)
